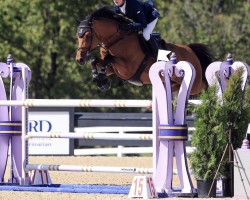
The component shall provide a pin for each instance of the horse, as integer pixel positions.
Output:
(123, 54)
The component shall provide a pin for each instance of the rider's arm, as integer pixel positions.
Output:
(139, 19)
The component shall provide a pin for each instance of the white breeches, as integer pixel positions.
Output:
(149, 29)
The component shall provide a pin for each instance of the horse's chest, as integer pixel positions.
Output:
(121, 70)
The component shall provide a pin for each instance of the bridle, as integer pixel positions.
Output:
(82, 29)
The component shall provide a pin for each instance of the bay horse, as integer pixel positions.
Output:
(123, 54)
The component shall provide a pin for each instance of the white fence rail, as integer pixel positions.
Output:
(128, 133)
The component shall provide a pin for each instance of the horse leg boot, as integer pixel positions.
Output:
(94, 69)
(95, 77)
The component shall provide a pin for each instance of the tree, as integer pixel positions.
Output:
(220, 122)
(208, 138)
(41, 34)
(236, 108)
(224, 25)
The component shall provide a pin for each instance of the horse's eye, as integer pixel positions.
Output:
(88, 37)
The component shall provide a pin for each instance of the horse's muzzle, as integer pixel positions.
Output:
(81, 61)
(80, 58)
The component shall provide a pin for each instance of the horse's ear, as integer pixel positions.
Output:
(77, 21)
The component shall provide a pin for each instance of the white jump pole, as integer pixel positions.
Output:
(89, 135)
(72, 168)
(78, 103)
(97, 103)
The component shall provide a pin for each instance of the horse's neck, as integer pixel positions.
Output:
(104, 27)
(106, 31)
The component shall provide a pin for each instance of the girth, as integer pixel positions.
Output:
(135, 79)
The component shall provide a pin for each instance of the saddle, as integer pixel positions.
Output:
(151, 47)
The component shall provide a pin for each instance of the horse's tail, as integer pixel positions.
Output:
(205, 56)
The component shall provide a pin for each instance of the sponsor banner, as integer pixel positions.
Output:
(49, 121)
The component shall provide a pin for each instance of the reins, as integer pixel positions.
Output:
(115, 38)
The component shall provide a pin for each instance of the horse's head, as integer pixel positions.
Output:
(84, 37)
(100, 26)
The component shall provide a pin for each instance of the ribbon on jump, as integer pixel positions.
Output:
(10, 128)
(173, 132)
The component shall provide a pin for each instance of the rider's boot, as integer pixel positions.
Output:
(153, 46)
(144, 45)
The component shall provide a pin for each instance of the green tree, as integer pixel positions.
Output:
(235, 108)
(208, 138)
(224, 25)
(215, 119)
(41, 33)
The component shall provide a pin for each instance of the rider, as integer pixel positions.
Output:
(144, 16)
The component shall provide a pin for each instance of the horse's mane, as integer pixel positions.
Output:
(106, 13)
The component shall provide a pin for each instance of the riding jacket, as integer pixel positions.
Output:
(142, 13)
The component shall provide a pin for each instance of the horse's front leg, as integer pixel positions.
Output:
(103, 71)
(106, 60)
(94, 63)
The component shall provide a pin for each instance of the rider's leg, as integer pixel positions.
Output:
(152, 43)
(154, 46)
(149, 29)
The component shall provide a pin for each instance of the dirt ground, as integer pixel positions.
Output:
(85, 177)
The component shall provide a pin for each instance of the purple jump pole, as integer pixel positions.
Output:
(11, 121)
(170, 126)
